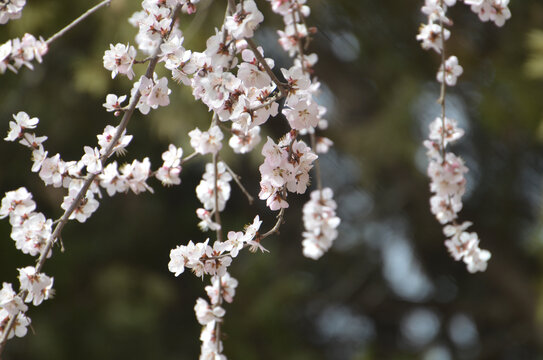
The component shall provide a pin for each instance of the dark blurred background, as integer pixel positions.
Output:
(387, 289)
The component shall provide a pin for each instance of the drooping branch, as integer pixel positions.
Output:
(91, 177)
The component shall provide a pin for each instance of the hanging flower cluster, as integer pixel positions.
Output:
(320, 222)
(304, 115)
(17, 53)
(445, 169)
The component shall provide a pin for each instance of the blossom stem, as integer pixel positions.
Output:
(275, 228)
(216, 193)
(280, 85)
(237, 179)
(317, 164)
(441, 100)
(298, 38)
(216, 186)
(218, 323)
(189, 157)
(77, 21)
(269, 103)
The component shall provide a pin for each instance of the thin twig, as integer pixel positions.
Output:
(77, 21)
(269, 103)
(298, 38)
(218, 323)
(317, 164)
(237, 179)
(277, 225)
(216, 193)
(189, 157)
(216, 186)
(280, 85)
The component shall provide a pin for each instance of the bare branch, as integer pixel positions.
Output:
(77, 21)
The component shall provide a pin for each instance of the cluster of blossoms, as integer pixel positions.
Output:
(448, 185)
(491, 10)
(17, 53)
(204, 259)
(210, 315)
(445, 169)
(304, 115)
(236, 82)
(30, 229)
(11, 10)
(34, 288)
(286, 167)
(206, 189)
(320, 222)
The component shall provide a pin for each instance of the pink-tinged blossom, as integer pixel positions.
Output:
(18, 127)
(477, 259)
(189, 256)
(91, 160)
(17, 52)
(31, 232)
(435, 11)
(251, 73)
(11, 10)
(113, 103)
(154, 93)
(186, 67)
(112, 181)
(87, 206)
(119, 60)
(206, 314)
(276, 201)
(17, 203)
(452, 71)
(491, 10)
(451, 133)
(220, 50)
(303, 115)
(206, 142)
(20, 327)
(218, 261)
(105, 139)
(5, 52)
(32, 141)
(159, 95)
(244, 21)
(297, 80)
(242, 142)
(10, 301)
(430, 36)
(168, 174)
(38, 285)
(173, 52)
(206, 189)
(136, 175)
(207, 222)
(323, 144)
(222, 287)
(235, 242)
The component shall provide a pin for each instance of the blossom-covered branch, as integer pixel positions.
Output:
(447, 170)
